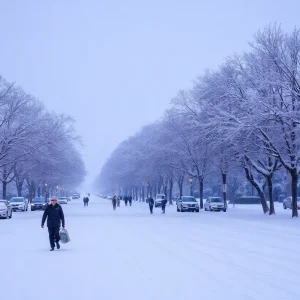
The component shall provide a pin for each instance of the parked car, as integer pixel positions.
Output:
(5, 209)
(39, 203)
(63, 200)
(19, 203)
(158, 199)
(287, 202)
(214, 204)
(187, 203)
(75, 196)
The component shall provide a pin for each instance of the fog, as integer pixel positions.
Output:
(115, 65)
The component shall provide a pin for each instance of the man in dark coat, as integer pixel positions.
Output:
(87, 199)
(55, 217)
(151, 204)
(163, 204)
(114, 202)
(126, 200)
(130, 200)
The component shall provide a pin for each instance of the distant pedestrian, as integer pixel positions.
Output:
(84, 201)
(151, 204)
(130, 200)
(55, 217)
(118, 201)
(163, 204)
(126, 200)
(87, 199)
(114, 202)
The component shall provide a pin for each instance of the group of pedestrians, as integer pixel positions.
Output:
(86, 201)
(116, 201)
(163, 204)
(128, 199)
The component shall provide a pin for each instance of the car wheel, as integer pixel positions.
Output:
(210, 209)
(181, 210)
(178, 209)
(197, 210)
(224, 210)
(284, 206)
(10, 215)
(6, 215)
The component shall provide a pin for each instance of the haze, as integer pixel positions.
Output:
(115, 65)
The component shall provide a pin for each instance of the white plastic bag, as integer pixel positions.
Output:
(64, 236)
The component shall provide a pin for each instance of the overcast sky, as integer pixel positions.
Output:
(115, 65)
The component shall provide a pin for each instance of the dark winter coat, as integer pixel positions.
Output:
(151, 201)
(54, 215)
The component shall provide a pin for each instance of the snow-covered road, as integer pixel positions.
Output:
(130, 254)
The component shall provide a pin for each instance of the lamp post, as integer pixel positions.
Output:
(191, 186)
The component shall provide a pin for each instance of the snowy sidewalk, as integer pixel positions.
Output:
(130, 254)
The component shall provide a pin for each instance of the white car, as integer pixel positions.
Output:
(214, 204)
(19, 203)
(187, 203)
(62, 200)
(5, 209)
(287, 202)
(158, 199)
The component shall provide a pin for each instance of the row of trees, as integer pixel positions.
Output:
(242, 118)
(38, 148)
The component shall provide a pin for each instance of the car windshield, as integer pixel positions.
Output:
(38, 200)
(216, 200)
(16, 199)
(188, 199)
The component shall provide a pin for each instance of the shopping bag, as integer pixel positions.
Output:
(64, 236)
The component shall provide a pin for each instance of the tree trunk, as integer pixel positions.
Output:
(19, 186)
(4, 187)
(171, 191)
(201, 179)
(271, 199)
(166, 191)
(294, 192)
(224, 179)
(259, 190)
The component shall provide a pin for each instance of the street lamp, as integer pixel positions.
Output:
(191, 186)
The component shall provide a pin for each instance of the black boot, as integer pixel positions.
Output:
(52, 249)
(57, 245)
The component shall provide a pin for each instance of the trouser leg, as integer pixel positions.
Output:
(51, 236)
(56, 234)
(151, 209)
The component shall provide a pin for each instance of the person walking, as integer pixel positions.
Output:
(163, 204)
(118, 201)
(84, 201)
(114, 202)
(130, 200)
(55, 217)
(87, 199)
(126, 200)
(151, 204)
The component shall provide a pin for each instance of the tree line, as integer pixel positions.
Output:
(38, 148)
(238, 122)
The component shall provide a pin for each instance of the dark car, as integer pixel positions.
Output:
(38, 203)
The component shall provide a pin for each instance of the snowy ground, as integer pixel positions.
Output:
(130, 254)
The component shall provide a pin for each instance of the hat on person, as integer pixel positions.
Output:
(53, 198)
